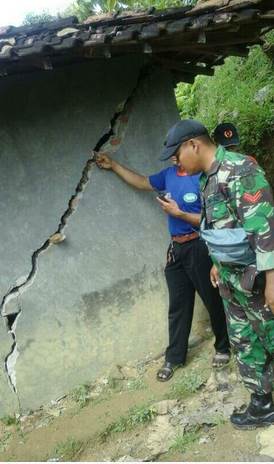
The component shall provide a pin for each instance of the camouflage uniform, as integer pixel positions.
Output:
(235, 194)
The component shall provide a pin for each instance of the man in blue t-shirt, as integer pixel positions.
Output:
(188, 264)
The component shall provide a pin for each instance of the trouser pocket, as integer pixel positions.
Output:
(170, 257)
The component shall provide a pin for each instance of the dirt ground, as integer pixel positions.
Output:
(97, 423)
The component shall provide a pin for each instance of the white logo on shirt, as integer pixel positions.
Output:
(190, 197)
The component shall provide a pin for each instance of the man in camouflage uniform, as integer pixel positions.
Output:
(235, 194)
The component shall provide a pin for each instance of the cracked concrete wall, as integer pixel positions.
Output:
(8, 400)
(99, 298)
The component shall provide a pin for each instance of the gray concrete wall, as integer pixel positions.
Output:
(99, 298)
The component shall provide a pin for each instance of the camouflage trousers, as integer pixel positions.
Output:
(250, 327)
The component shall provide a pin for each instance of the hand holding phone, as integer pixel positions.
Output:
(163, 197)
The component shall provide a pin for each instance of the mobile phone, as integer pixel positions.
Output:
(162, 197)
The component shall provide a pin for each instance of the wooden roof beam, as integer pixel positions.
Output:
(198, 49)
(186, 68)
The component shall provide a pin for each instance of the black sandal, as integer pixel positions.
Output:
(166, 372)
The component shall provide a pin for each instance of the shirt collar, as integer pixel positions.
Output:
(219, 157)
(180, 172)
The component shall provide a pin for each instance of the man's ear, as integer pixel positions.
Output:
(195, 145)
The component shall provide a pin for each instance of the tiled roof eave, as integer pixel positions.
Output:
(214, 29)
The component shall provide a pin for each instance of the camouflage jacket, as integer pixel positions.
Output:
(235, 193)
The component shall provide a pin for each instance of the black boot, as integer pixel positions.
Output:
(259, 413)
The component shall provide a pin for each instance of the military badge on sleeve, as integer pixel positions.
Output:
(252, 198)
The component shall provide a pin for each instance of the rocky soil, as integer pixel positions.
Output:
(129, 416)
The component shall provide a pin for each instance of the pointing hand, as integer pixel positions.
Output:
(104, 161)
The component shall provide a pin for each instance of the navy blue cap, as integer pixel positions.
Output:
(226, 134)
(181, 132)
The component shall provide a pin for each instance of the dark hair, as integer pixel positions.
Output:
(206, 139)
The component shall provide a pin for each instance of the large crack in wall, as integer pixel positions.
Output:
(109, 142)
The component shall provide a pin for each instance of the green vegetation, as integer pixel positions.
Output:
(4, 441)
(190, 382)
(68, 449)
(84, 8)
(219, 419)
(33, 18)
(241, 92)
(184, 440)
(118, 385)
(137, 416)
(9, 420)
(135, 384)
(81, 395)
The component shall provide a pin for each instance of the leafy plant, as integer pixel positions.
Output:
(40, 18)
(136, 416)
(189, 383)
(141, 415)
(84, 8)
(184, 440)
(9, 420)
(68, 449)
(81, 395)
(241, 92)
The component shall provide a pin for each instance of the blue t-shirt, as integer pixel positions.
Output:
(185, 190)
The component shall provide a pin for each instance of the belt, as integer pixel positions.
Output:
(185, 238)
(233, 265)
